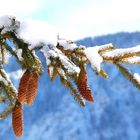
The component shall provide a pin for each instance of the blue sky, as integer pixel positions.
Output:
(79, 18)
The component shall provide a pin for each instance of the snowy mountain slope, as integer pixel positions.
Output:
(56, 116)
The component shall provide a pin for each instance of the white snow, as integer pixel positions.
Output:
(69, 65)
(131, 60)
(3, 80)
(19, 54)
(6, 80)
(121, 52)
(94, 57)
(31, 31)
(55, 53)
(5, 77)
(35, 32)
(6, 56)
(5, 21)
(51, 69)
(137, 77)
(8, 24)
(67, 45)
(62, 73)
(104, 47)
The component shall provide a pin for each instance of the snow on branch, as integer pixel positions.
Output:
(64, 59)
(93, 54)
(137, 77)
(131, 60)
(122, 53)
(56, 55)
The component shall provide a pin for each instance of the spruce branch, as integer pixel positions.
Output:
(135, 60)
(7, 111)
(2, 100)
(73, 91)
(11, 51)
(129, 75)
(103, 74)
(63, 58)
(7, 85)
(3, 54)
(118, 54)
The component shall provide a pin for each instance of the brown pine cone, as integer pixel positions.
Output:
(17, 120)
(83, 85)
(23, 86)
(32, 89)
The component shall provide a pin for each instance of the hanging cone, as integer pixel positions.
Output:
(17, 120)
(32, 89)
(83, 85)
(23, 86)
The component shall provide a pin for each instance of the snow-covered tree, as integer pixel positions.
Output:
(21, 39)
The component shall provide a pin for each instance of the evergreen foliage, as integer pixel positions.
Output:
(65, 60)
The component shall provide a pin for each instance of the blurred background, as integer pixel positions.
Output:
(55, 115)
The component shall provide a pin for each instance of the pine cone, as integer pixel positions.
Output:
(83, 85)
(17, 120)
(23, 86)
(32, 89)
